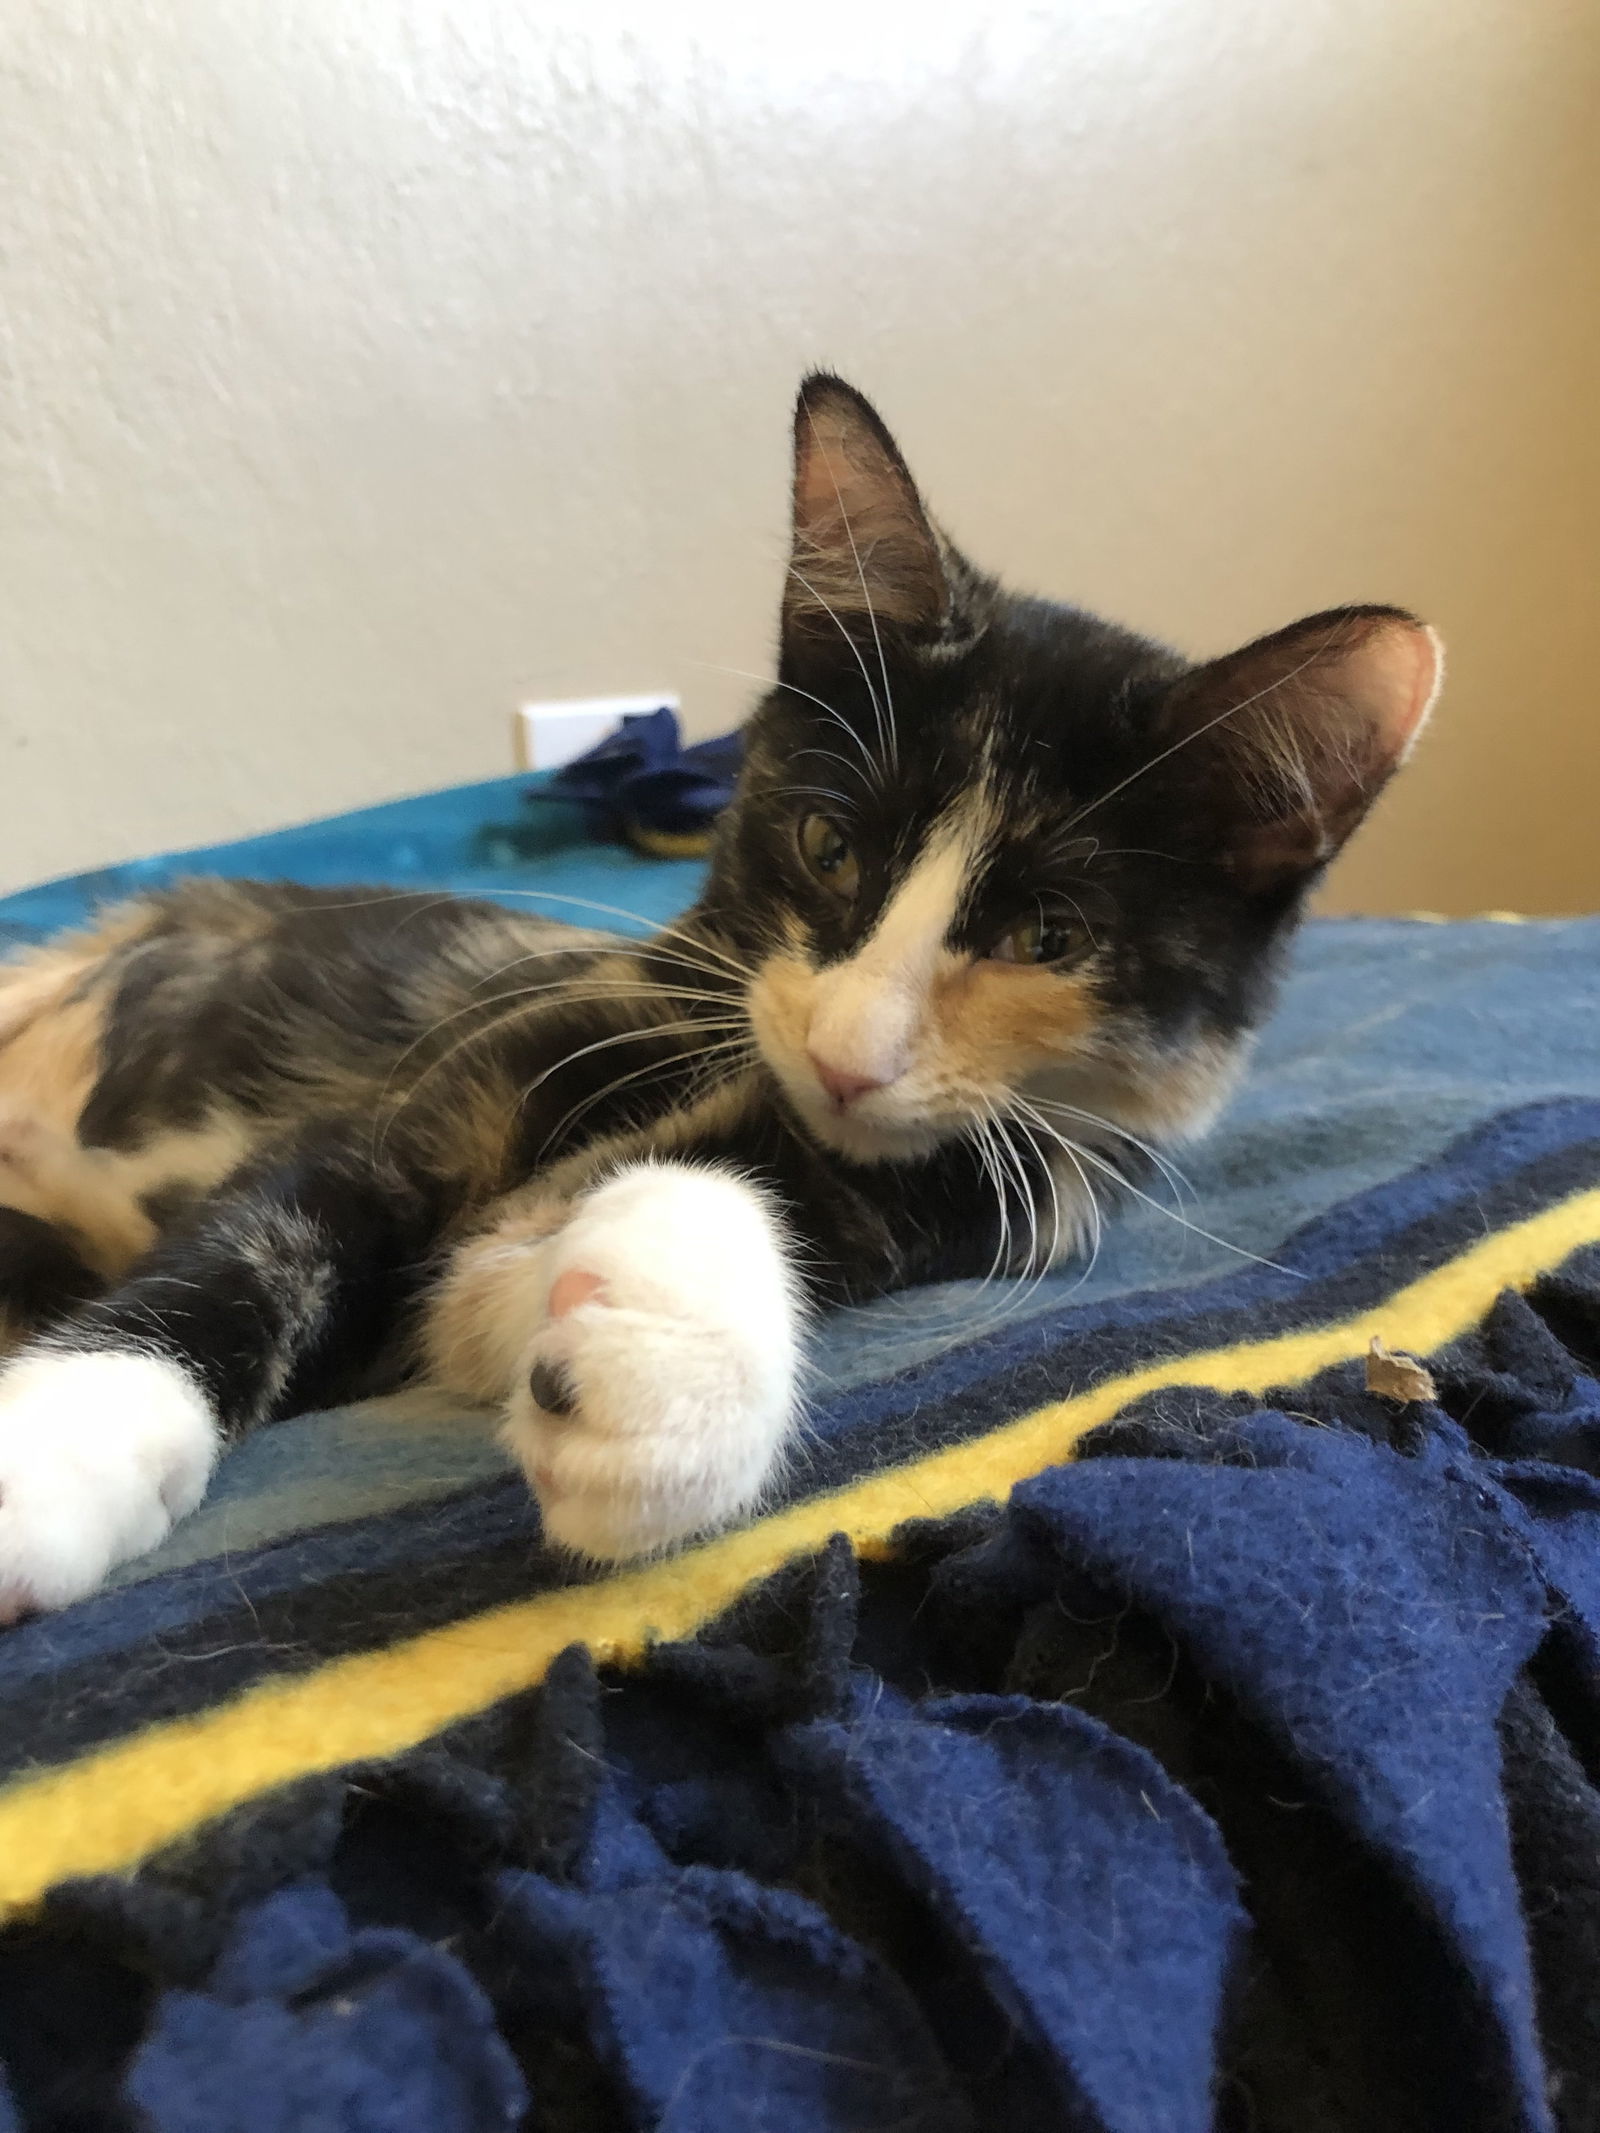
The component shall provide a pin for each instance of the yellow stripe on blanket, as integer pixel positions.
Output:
(108, 1810)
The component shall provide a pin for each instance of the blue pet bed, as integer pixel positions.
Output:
(1128, 1720)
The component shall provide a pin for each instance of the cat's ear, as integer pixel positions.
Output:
(1293, 738)
(865, 551)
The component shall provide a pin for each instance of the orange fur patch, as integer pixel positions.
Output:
(52, 1027)
(50, 1031)
(995, 1022)
(780, 1004)
(51, 1024)
(43, 1172)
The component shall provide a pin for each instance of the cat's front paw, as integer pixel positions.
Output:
(99, 1455)
(654, 1401)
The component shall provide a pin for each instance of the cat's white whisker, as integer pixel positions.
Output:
(637, 1035)
(1021, 1107)
(655, 934)
(1044, 1262)
(1187, 740)
(989, 1151)
(790, 688)
(1038, 1263)
(809, 792)
(1169, 1170)
(742, 1046)
(1076, 1150)
(991, 1145)
(516, 1004)
(872, 694)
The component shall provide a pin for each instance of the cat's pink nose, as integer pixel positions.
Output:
(843, 1086)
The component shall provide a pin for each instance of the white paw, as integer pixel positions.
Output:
(671, 1339)
(99, 1455)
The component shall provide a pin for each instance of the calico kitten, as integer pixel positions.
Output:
(999, 900)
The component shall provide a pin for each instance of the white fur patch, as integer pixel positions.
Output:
(680, 1356)
(100, 1453)
(868, 1012)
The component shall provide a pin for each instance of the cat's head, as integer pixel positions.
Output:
(990, 852)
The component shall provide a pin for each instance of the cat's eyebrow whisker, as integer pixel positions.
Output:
(793, 689)
(808, 792)
(877, 707)
(832, 755)
(1199, 732)
(872, 769)
(1135, 851)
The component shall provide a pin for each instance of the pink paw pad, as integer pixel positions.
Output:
(576, 1286)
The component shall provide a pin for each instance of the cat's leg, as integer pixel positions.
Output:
(644, 1342)
(288, 1281)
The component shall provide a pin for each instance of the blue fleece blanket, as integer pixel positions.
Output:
(1129, 1721)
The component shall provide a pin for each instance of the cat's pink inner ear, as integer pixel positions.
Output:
(1395, 677)
(1298, 733)
(863, 543)
(832, 483)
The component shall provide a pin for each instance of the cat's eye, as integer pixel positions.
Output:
(1035, 940)
(825, 852)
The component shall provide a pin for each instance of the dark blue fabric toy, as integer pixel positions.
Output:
(642, 785)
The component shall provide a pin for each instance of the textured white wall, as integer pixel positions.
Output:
(364, 367)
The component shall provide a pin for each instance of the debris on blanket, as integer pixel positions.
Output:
(1397, 1376)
